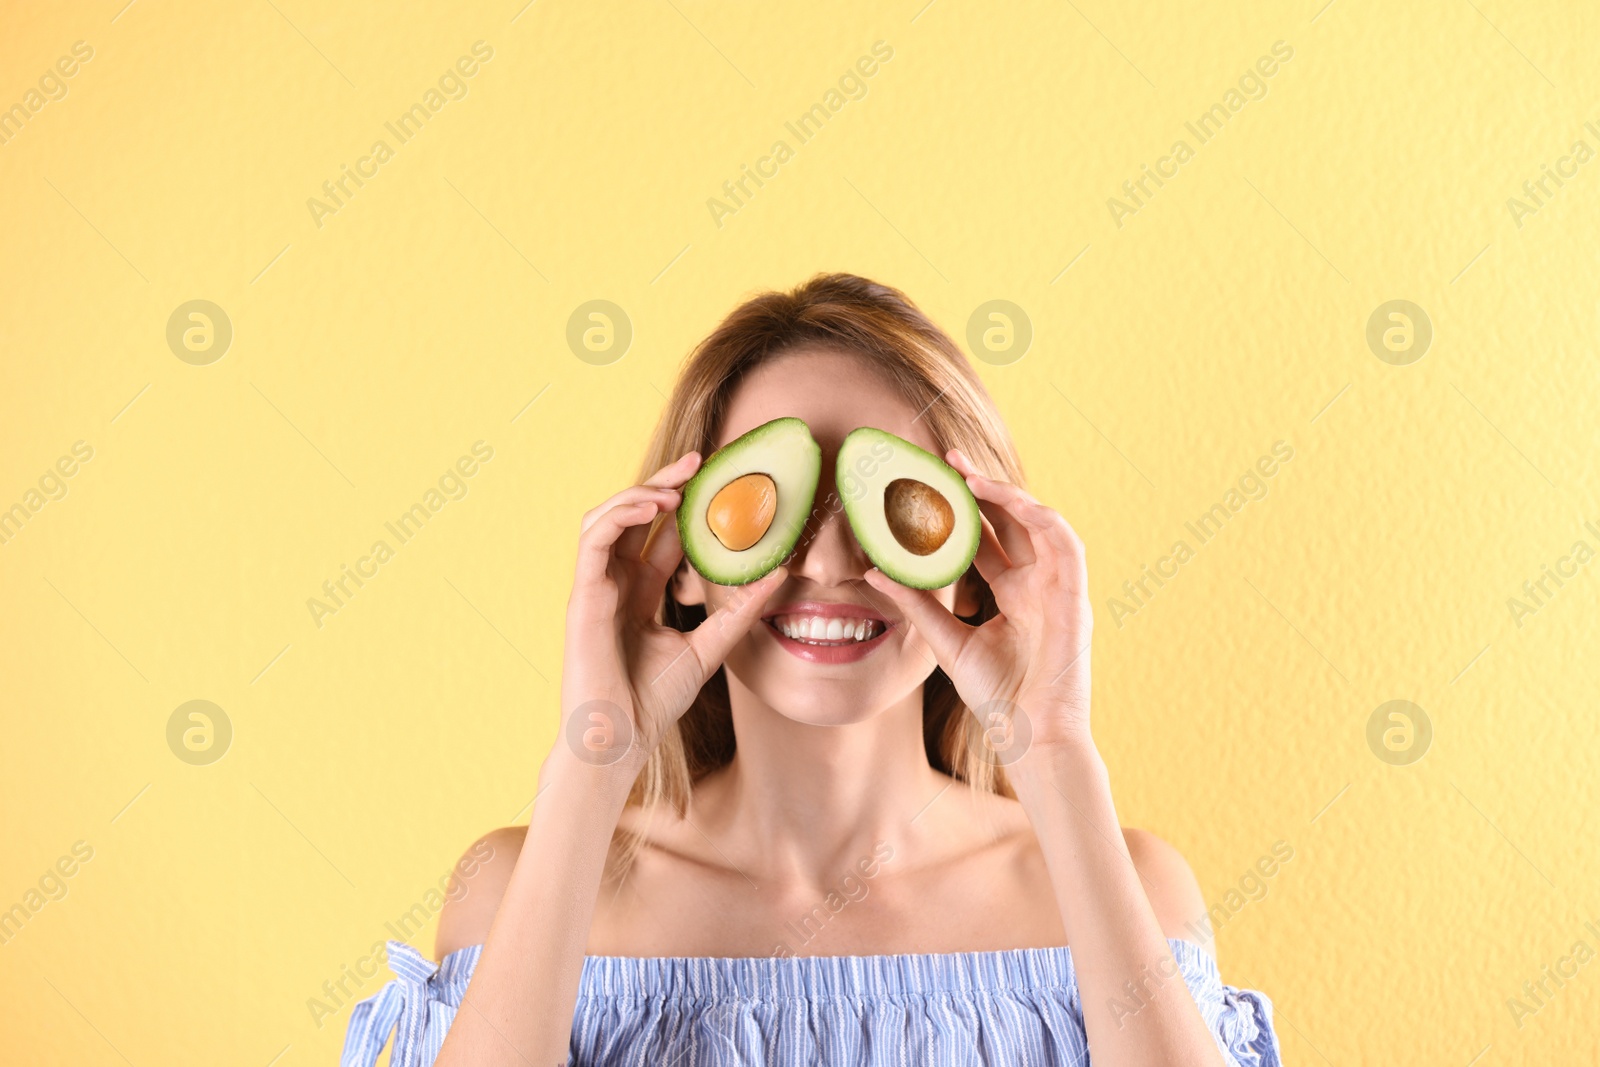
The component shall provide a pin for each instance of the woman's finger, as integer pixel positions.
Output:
(1011, 534)
(660, 558)
(1041, 521)
(596, 543)
(663, 487)
(944, 632)
(722, 629)
(674, 474)
(631, 545)
(958, 459)
(991, 559)
(1046, 526)
(659, 548)
(665, 498)
(1063, 540)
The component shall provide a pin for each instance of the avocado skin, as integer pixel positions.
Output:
(952, 486)
(690, 537)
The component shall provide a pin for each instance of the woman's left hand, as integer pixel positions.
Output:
(1030, 663)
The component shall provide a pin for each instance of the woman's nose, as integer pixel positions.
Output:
(828, 552)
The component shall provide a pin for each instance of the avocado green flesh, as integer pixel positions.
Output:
(869, 460)
(784, 451)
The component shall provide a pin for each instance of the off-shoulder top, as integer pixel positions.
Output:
(1019, 1006)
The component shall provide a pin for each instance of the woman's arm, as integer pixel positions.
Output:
(1030, 664)
(1136, 1007)
(519, 1006)
(626, 679)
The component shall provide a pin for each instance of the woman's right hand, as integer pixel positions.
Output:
(626, 677)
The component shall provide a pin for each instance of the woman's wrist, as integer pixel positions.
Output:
(599, 776)
(1057, 765)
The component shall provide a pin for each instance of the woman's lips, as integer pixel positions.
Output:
(840, 651)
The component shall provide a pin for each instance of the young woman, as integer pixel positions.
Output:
(799, 850)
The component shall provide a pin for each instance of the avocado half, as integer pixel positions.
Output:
(911, 511)
(745, 508)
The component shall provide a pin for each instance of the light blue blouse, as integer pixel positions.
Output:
(965, 1008)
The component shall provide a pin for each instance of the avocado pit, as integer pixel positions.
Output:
(919, 516)
(741, 511)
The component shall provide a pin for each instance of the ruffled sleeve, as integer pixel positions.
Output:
(1240, 1019)
(417, 1007)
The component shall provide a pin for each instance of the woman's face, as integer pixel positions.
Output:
(809, 677)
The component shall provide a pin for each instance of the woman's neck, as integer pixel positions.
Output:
(799, 803)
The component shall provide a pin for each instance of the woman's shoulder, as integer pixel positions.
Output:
(479, 882)
(1168, 881)
(1170, 885)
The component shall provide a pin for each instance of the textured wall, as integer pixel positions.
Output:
(1178, 334)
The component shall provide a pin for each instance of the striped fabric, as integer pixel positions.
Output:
(966, 1008)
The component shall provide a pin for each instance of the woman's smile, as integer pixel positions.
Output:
(828, 631)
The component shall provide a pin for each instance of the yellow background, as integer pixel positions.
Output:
(368, 354)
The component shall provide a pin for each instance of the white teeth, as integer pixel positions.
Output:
(815, 628)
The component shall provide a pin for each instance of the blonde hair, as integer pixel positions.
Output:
(882, 326)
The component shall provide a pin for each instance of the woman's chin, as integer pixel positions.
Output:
(803, 697)
(795, 708)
